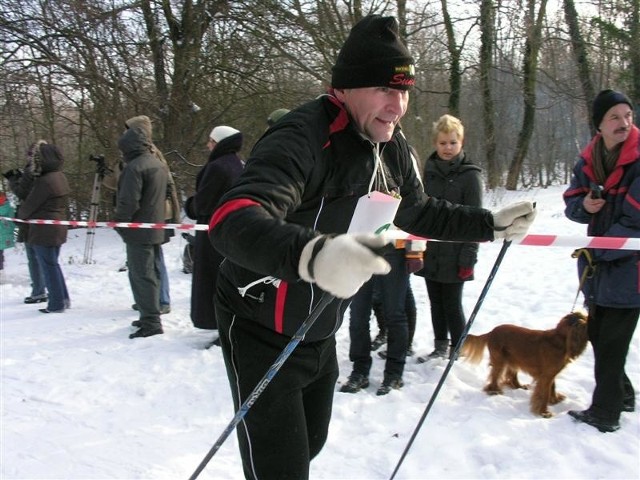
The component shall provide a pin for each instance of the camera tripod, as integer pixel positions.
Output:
(101, 171)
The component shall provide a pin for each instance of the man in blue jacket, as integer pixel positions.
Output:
(605, 194)
(282, 229)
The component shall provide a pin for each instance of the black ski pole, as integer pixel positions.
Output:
(454, 355)
(325, 300)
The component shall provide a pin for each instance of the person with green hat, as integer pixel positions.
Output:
(276, 115)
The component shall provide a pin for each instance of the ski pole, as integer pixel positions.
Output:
(325, 300)
(454, 355)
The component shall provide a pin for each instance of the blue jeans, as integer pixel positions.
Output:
(161, 268)
(35, 272)
(393, 293)
(54, 280)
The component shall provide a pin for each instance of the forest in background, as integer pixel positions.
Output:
(521, 74)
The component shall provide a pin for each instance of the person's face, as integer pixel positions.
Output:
(448, 145)
(616, 125)
(211, 143)
(375, 110)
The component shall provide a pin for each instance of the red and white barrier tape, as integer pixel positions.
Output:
(80, 223)
(533, 240)
(538, 240)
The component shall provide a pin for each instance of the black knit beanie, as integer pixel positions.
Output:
(604, 101)
(374, 56)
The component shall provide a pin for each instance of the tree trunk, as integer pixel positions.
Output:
(530, 66)
(487, 20)
(455, 75)
(580, 54)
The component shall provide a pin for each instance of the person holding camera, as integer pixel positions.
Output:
(605, 195)
(20, 183)
(48, 200)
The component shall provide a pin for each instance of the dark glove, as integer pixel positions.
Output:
(15, 172)
(465, 272)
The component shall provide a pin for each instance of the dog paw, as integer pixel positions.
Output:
(493, 391)
(557, 399)
(546, 414)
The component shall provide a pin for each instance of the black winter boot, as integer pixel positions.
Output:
(588, 417)
(388, 384)
(380, 340)
(355, 383)
(440, 351)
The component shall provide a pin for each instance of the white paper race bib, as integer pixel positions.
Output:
(374, 213)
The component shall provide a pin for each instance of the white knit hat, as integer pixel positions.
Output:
(220, 133)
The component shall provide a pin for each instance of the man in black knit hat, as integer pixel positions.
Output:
(605, 195)
(292, 230)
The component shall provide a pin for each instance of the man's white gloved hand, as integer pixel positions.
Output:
(513, 221)
(341, 265)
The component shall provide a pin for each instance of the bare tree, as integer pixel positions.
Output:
(579, 49)
(530, 69)
(487, 21)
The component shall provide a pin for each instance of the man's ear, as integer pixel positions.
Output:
(339, 93)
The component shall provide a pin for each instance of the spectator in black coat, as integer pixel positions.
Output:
(213, 180)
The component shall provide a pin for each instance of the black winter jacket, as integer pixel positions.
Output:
(304, 177)
(216, 177)
(458, 181)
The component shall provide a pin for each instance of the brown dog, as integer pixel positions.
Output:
(539, 353)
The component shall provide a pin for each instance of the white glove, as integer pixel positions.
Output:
(342, 264)
(513, 222)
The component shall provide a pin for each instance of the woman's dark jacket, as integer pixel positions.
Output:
(458, 181)
(47, 199)
(304, 177)
(214, 179)
(616, 282)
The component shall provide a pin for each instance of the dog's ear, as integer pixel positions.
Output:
(577, 336)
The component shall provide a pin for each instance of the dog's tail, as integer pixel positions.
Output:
(473, 348)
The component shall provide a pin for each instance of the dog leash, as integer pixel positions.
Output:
(454, 355)
(588, 272)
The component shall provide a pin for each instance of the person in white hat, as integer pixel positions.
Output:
(222, 169)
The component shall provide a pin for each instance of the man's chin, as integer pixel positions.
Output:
(381, 136)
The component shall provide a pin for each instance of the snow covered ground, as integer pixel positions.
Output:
(80, 400)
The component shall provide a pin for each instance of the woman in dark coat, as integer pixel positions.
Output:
(215, 178)
(47, 200)
(449, 175)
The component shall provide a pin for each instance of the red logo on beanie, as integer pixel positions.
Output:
(400, 80)
(404, 76)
